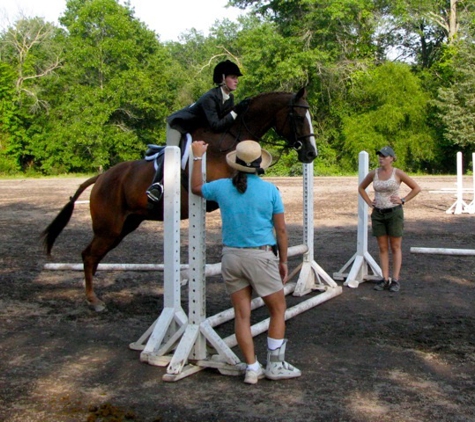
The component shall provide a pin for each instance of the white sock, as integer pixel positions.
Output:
(253, 366)
(273, 344)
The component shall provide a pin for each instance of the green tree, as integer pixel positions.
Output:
(389, 107)
(31, 49)
(417, 29)
(111, 97)
(30, 56)
(346, 29)
(12, 134)
(195, 57)
(456, 103)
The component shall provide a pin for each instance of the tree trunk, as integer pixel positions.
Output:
(453, 26)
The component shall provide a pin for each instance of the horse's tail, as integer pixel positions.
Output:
(51, 232)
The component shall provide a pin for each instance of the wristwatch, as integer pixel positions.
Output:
(403, 201)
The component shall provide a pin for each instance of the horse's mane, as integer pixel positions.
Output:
(265, 94)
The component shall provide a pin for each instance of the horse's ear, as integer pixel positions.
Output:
(302, 93)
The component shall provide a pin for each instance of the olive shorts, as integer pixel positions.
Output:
(243, 267)
(388, 222)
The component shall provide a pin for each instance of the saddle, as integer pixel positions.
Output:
(156, 153)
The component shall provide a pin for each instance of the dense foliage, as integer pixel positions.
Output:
(95, 90)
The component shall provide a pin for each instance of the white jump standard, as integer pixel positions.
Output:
(459, 206)
(185, 348)
(471, 206)
(171, 323)
(362, 261)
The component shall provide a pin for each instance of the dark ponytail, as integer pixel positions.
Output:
(240, 181)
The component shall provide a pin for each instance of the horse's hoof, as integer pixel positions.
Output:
(98, 306)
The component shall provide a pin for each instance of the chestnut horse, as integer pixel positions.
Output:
(118, 202)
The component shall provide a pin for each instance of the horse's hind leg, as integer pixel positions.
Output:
(95, 252)
(91, 257)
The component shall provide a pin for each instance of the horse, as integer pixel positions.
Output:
(118, 200)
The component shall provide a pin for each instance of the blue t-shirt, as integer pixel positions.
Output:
(246, 217)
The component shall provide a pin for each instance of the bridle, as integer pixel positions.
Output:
(296, 141)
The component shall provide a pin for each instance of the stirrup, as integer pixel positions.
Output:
(155, 192)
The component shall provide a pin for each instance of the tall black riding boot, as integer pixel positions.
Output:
(155, 190)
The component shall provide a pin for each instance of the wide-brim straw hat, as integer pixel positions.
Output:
(249, 157)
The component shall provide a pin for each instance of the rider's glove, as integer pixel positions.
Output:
(242, 106)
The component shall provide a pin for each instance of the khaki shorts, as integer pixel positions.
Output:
(388, 222)
(259, 269)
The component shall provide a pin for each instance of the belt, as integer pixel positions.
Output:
(387, 210)
(266, 248)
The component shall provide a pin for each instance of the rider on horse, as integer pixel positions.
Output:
(215, 109)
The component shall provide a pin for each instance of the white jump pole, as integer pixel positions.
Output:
(109, 267)
(362, 260)
(459, 206)
(211, 269)
(444, 251)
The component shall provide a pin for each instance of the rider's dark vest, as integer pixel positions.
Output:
(208, 111)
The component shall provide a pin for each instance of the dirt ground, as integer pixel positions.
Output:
(365, 355)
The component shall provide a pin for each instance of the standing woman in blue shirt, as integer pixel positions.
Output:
(251, 210)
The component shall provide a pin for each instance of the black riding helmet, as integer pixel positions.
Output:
(225, 68)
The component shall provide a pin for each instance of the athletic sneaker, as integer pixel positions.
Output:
(382, 285)
(252, 377)
(395, 286)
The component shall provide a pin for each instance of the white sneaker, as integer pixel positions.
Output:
(277, 368)
(252, 377)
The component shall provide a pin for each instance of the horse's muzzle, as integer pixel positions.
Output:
(307, 156)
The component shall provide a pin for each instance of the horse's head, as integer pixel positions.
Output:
(293, 122)
(286, 112)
